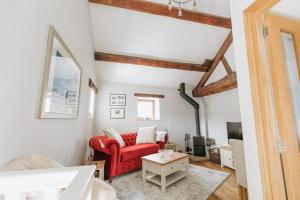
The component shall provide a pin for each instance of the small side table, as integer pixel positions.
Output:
(99, 172)
(172, 146)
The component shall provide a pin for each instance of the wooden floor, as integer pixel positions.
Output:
(229, 189)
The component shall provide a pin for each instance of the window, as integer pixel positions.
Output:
(92, 104)
(93, 92)
(148, 108)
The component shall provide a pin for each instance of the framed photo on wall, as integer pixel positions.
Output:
(117, 113)
(61, 82)
(117, 99)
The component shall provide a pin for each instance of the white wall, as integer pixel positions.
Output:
(176, 114)
(221, 108)
(23, 39)
(245, 99)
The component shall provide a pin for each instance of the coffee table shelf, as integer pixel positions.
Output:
(170, 179)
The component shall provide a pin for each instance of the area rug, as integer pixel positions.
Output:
(199, 185)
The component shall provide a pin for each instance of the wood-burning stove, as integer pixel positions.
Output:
(199, 146)
(198, 141)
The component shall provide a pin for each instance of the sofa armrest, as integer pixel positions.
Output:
(110, 148)
(104, 144)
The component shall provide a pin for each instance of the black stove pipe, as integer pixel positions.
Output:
(194, 104)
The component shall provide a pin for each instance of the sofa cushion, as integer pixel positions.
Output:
(146, 135)
(129, 138)
(137, 151)
(112, 133)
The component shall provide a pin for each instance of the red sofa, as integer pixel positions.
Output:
(120, 160)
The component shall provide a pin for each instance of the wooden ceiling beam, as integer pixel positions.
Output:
(216, 61)
(226, 65)
(227, 83)
(162, 9)
(100, 56)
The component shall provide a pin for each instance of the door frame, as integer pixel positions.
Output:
(272, 176)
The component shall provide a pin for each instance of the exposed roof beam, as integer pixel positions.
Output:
(161, 9)
(208, 62)
(100, 56)
(227, 83)
(226, 65)
(216, 61)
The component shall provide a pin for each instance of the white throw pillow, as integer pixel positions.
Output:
(112, 133)
(160, 136)
(146, 135)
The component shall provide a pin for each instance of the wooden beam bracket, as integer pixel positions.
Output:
(226, 83)
(219, 56)
(226, 65)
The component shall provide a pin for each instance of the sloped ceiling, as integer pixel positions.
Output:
(128, 32)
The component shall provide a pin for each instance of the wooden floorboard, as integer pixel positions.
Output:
(229, 189)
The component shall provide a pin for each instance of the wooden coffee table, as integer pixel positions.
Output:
(165, 171)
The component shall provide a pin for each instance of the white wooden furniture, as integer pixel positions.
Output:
(226, 156)
(165, 171)
(38, 177)
(103, 190)
(76, 181)
(240, 166)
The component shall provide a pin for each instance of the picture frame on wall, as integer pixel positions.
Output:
(117, 99)
(61, 81)
(117, 113)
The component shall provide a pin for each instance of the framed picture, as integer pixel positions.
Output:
(61, 82)
(117, 100)
(117, 113)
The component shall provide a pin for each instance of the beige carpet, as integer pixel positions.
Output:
(199, 185)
